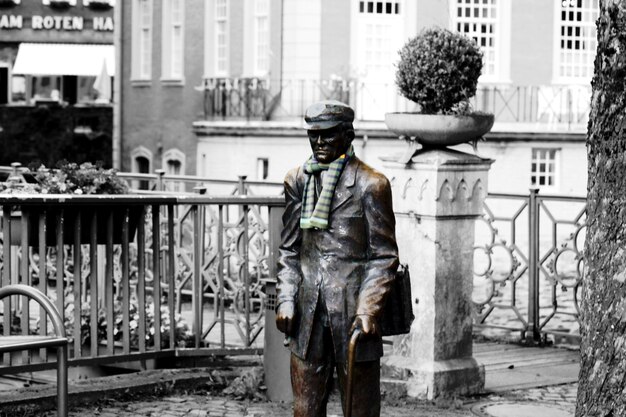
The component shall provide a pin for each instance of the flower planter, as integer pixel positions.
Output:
(69, 224)
(436, 130)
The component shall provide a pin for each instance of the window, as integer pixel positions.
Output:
(141, 162)
(46, 88)
(142, 40)
(481, 21)
(174, 164)
(99, 3)
(379, 7)
(576, 39)
(262, 168)
(379, 32)
(4, 83)
(377, 47)
(18, 89)
(221, 37)
(59, 3)
(262, 37)
(543, 167)
(173, 39)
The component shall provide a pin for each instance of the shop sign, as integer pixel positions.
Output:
(103, 24)
(67, 23)
(57, 22)
(11, 21)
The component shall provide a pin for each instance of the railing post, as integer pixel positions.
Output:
(241, 185)
(533, 267)
(160, 185)
(15, 175)
(197, 278)
(275, 226)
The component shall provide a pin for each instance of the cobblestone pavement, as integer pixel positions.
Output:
(549, 401)
(203, 406)
(562, 395)
(208, 405)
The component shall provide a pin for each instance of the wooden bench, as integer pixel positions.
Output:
(13, 343)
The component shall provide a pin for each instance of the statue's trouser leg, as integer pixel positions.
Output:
(311, 379)
(365, 388)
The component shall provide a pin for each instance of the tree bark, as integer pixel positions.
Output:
(602, 380)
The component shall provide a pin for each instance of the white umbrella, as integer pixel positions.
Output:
(103, 85)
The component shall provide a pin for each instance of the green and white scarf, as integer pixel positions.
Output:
(316, 215)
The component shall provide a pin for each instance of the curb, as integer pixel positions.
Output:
(87, 391)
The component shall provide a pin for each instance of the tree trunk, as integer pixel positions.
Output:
(602, 388)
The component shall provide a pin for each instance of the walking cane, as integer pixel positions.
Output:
(350, 373)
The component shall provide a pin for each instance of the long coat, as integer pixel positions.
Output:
(351, 264)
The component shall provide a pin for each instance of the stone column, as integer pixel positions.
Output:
(437, 198)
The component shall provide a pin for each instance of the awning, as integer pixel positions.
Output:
(64, 59)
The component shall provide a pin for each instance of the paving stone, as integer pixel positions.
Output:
(197, 413)
(174, 399)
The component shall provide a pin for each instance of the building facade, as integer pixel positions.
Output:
(257, 64)
(162, 61)
(57, 63)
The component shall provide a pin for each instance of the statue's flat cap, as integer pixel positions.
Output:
(327, 114)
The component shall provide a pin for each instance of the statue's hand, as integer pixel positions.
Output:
(284, 317)
(366, 324)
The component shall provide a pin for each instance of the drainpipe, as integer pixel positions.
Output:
(117, 90)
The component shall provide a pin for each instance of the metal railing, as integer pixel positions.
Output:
(565, 106)
(161, 182)
(528, 263)
(141, 277)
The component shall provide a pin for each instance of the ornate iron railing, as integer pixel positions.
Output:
(528, 262)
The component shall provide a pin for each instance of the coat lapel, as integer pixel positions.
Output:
(346, 181)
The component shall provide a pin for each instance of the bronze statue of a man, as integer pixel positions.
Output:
(338, 258)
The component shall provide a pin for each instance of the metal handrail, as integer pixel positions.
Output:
(60, 341)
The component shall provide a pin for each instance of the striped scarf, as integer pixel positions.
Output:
(316, 215)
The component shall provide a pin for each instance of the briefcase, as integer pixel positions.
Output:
(397, 314)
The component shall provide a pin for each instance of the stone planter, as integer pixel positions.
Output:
(435, 130)
(69, 224)
(438, 193)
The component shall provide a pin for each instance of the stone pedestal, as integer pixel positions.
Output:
(437, 198)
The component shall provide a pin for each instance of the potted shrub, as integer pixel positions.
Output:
(74, 179)
(439, 70)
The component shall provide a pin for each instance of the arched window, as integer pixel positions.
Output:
(141, 162)
(174, 164)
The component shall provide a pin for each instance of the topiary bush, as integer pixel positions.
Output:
(439, 71)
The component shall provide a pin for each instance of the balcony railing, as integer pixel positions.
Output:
(558, 106)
